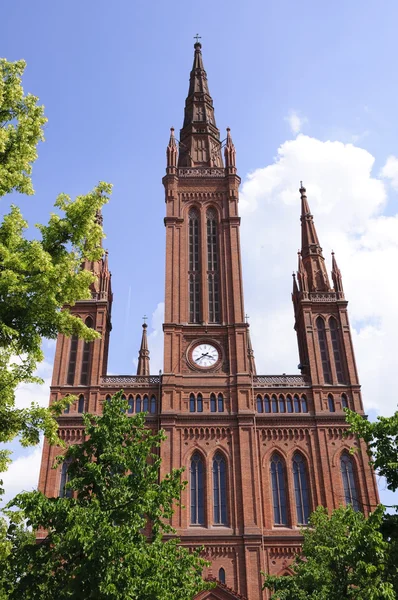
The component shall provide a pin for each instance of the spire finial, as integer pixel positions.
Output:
(143, 355)
(197, 37)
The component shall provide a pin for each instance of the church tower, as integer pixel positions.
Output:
(260, 452)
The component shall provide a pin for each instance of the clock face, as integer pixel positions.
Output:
(205, 355)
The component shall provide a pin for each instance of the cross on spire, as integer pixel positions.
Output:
(144, 318)
(247, 318)
(197, 37)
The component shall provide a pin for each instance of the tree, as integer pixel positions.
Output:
(37, 277)
(97, 543)
(21, 128)
(381, 437)
(343, 556)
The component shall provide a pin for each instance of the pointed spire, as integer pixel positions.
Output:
(230, 154)
(101, 287)
(171, 153)
(199, 137)
(250, 353)
(313, 262)
(143, 355)
(295, 286)
(337, 278)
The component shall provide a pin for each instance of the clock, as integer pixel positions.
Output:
(205, 355)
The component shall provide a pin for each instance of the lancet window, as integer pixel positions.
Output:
(344, 401)
(221, 575)
(334, 334)
(278, 482)
(301, 489)
(130, 409)
(146, 404)
(219, 490)
(64, 492)
(196, 403)
(80, 404)
(320, 325)
(72, 360)
(84, 375)
(282, 404)
(349, 484)
(331, 405)
(194, 266)
(212, 267)
(197, 490)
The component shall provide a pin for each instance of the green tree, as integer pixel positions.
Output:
(107, 541)
(343, 556)
(37, 277)
(381, 437)
(21, 128)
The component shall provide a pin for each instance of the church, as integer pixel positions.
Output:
(261, 452)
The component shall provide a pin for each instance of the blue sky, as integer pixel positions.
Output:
(309, 91)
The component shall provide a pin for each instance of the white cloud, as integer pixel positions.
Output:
(347, 203)
(22, 475)
(390, 171)
(295, 121)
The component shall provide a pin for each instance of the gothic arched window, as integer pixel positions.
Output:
(199, 403)
(108, 398)
(67, 409)
(194, 266)
(197, 490)
(260, 407)
(274, 404)
(124, 400)
(80, 404)
(344, 401)
(331, 405)
(267, 405)
(348, 476)
(64, 492)
(289, 404)
(72, 360)
(212, 267)
(304, 404)
(282, 405)
(145, 404)
(301, 489)
(130, 409)
(84, 375)
(297, 405)
(334, 334)
(278, 489)
(220, 401)
(138, 404)
(192, 403)
(213, 403)
(153, 404)
(219, 490)
(221, 575)
(320, 325)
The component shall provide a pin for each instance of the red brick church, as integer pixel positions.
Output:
(260, 451)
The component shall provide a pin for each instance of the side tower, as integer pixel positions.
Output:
(79, 367)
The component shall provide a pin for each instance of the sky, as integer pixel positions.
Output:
(309, 90)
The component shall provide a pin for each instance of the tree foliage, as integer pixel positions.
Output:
(107, 541)
(343, 556)
(21, 128)
(38, 278)
(381, 437)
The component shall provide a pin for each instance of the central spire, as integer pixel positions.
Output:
(200, 144)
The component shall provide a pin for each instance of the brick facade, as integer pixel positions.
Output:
(204, 305)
